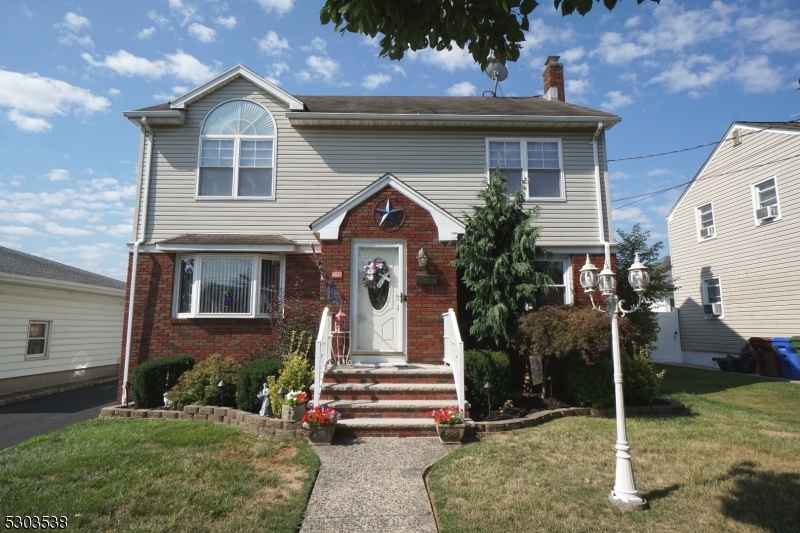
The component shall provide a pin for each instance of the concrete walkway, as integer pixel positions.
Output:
(373, 485)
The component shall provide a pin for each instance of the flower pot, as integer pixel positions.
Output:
(293, 413)
(451, 434)
(320, 435)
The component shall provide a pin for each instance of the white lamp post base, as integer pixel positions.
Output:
(628, 502)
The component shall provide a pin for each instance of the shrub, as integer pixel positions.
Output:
(154, 377)
(481, 366)
(251, 380)
(199, 385)
(642, 382)
(590, 383)
(296, 375)
(301, 313)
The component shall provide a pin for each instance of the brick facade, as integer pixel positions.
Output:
(580, 297)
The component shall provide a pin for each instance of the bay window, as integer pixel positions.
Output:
(235, 286)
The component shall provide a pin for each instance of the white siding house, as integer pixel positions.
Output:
(58, 324)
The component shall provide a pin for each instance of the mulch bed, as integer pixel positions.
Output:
(527, 404)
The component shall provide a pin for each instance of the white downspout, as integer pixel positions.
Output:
(600, 221)
(142, 227)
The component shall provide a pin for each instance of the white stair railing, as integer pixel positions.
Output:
(454, 354)
(322, 352)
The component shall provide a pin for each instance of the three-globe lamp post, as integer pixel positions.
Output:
(624, 494)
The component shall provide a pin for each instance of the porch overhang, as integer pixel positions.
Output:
(227, 242)
(326, 228)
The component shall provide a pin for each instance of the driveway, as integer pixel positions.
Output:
(22, 421)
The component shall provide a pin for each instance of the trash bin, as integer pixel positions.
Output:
(790, 361)
(769, 361)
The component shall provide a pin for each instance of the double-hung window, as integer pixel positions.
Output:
(559, 292)
(705, 221)
(531, 165)
(766, 206)
(38, 340)
(234, 286)
(712, 297)
(237, 152)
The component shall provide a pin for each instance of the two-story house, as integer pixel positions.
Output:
(733, 237)
(243, 187)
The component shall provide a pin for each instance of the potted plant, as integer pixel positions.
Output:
(449, 424)
(294, 405)
(320, 423)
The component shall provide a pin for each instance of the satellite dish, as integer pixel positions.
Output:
(497, 71)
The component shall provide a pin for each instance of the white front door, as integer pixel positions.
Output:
(377, 323)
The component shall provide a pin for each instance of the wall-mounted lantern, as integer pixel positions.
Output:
(422, 257)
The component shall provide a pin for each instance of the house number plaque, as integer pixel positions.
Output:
(336, 274)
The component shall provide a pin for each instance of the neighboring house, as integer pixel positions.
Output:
(733, 236)
(58, 324)
(239, 179)
(667, 303)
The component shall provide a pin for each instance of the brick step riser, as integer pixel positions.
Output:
(352, 433)
(406, 395)
(348, 413)
(409, 380)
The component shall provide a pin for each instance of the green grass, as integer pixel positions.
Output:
(731, 465)
(155, 475)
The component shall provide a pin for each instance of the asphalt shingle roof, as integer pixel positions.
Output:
(226, 238)
(22, 264)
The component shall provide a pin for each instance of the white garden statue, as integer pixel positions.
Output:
(264, 397)
(167, 402)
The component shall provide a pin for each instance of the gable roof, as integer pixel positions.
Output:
(22, 264)
(327, 226)
(791, 128)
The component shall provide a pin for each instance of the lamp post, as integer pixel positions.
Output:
(624, 494)
(488, 388)
(221, 386)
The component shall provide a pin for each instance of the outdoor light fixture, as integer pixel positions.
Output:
(488, 387)
(422, 258)
(282, 392)
(624, 494)
(221, 386)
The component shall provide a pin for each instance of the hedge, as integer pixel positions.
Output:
(481, 366)
(251, 380)
(154, 377)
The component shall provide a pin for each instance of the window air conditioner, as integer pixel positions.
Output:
(766, 213)
(712, 310)
(707, 232)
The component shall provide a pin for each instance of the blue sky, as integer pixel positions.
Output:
(678, 74)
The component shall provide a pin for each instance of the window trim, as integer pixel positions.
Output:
(704, 295)
(236, 144)
(698, 221)
(566, 282)
(756, 202)
(523, 142)
(46, 353)
(254, 283)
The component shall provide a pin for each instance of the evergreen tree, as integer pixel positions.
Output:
(497, 255)
(660, 283)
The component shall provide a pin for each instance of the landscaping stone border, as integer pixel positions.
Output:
(535, 419)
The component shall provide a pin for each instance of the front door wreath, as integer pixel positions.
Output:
(377, 280)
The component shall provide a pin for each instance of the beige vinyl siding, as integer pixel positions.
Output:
(319, 168)
(86, 329)
(752, 262)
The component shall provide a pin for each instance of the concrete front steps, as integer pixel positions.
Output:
(387, 401)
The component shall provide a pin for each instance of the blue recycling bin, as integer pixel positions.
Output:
(790, 361)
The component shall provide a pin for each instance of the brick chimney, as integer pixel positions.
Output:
(553, 78)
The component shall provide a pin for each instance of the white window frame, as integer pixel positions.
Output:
(754, 194)
(48, 324)
(704, 290)
(523, 144)
(236, 149)
(699, 223)
(566, 282)
(196, 284)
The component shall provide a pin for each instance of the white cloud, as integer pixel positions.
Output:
(321, 67)
(158, 19)
(57, 174)
(227, 22)
(615, 50)
(633, 22)
(580, 70)
(180, 64)
(272, 44)
(276, 69)
(73, 22)
(397, 69)
(117, 230)
(631, 215)
(278, 6)
(316, 44)
(540, 33)
(615, 99)
(464, 88)
(114, 92)
(680, 77)
(187, 11)
(26, 123)
(71, 38)
(573, 54)
(372, 42)
(449, 60)
(373, 81)
(617, 175)
(677, 28)
(23, 218)
(660, 172)
(577, 87)
(75, 214)
(146, 33)
(775, 34)
(756, 75)
(18, 230)
(204, 34)
(56, 229)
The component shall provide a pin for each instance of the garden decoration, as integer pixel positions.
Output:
(624, 494)
(449, 425)
(167, 402)
(377, 280)
(264, 397)
(320, 421)
(221, 386)
(488, 388)
(331, 291)
(294, 406)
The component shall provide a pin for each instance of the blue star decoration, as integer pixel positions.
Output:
(389, 213)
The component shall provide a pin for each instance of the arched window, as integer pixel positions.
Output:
(237, 152)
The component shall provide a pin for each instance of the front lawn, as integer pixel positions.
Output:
(731, 465)
(150, 475)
